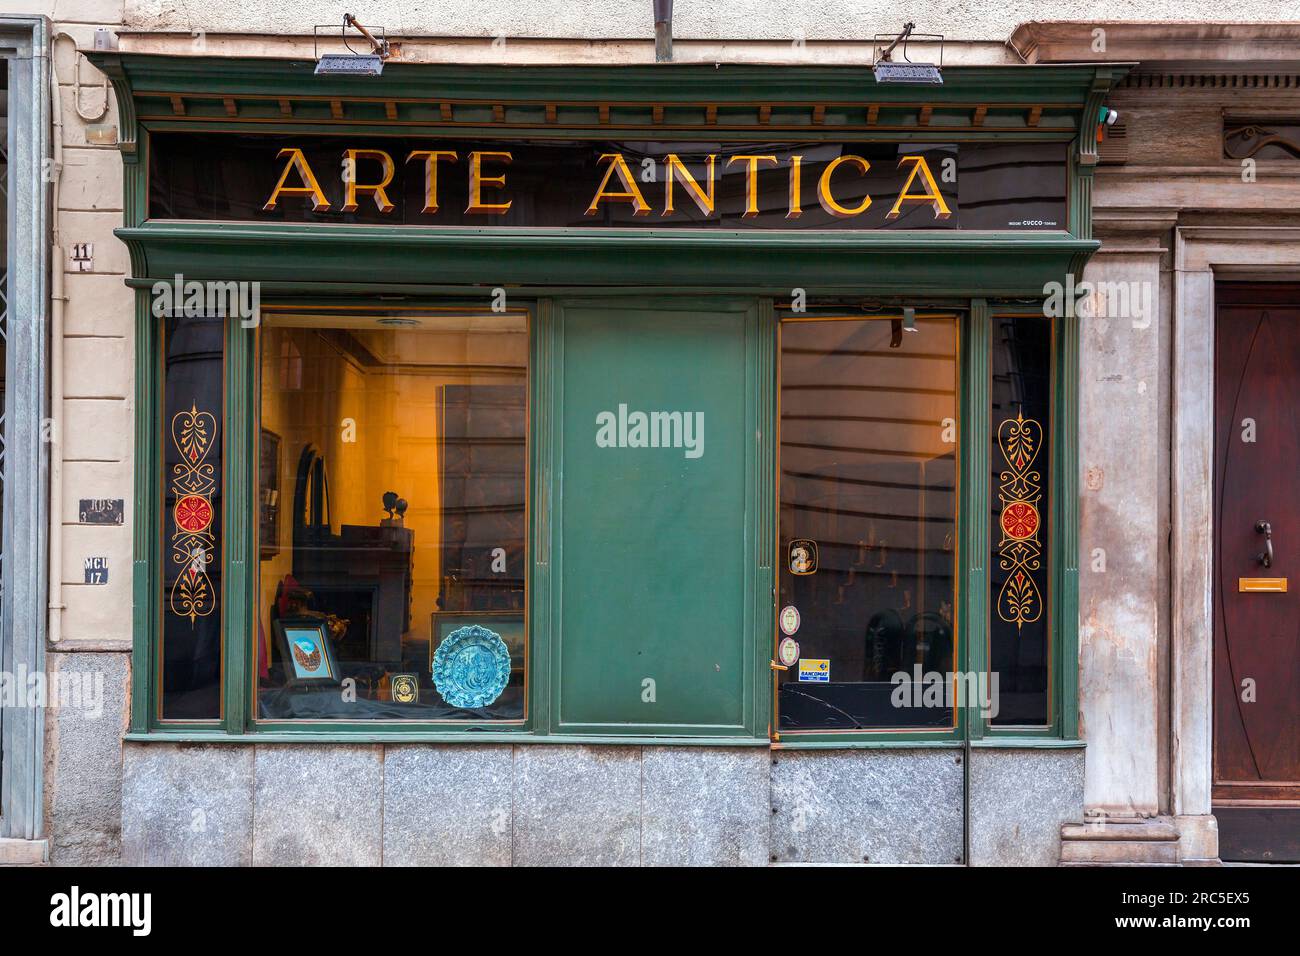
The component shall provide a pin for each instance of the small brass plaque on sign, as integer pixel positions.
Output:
(1274, 585)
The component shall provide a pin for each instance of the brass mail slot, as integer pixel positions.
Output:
(1275, 585)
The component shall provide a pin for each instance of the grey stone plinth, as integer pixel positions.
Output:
(1019, 799)
(703, 806)
(867, 806)
(577, 806)
(447, 805)
(83, 777)
(318, 805)
(15, 852)
(187, 805)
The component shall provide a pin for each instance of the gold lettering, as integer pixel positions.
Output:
(375, 190)
(297, 163)
(931, 195)
(702, 199)
(796, 188)
(824, 188)
(751, 181)
(630, 192)
(477, 181)
(431, 157)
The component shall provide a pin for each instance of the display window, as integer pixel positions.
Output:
(393, 506)
(391, 528)
(868, 459)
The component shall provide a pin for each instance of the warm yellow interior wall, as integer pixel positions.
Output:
(376, 433)
(394, 440)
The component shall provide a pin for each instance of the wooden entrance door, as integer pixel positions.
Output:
(1257, 573)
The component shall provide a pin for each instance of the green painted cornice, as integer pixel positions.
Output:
(939, 262)
(673, 82)
(689, 99)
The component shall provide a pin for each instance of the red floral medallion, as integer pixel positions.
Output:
(1020, 492)
(193, 514)
(1019, 520)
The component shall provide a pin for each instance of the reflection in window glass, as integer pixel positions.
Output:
(392, 513)
(868, 459)
(1019, 531)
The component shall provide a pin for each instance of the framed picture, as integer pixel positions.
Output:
(307, 652)
(404, 688)
(508, 624)
(268, 494)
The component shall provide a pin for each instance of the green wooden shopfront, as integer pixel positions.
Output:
(699, 424)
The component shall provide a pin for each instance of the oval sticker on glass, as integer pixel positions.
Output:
(787, 652)
(789, 620)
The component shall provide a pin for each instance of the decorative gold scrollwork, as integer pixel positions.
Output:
(193, 543)
(1020, 491)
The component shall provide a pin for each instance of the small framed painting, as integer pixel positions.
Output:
(307, 653)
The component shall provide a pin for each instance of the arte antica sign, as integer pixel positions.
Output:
(574, 183)
(618, 184)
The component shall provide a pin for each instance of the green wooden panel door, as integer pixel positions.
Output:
(656, 519)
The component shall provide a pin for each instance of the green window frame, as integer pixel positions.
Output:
(977, 319)
(241, 429)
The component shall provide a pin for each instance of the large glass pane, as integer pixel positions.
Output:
(192, 484)
(392, 490)
(868, 523)
(1019, 532)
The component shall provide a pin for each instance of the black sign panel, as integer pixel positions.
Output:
(580, 183)
(96, 569)
(101, 511)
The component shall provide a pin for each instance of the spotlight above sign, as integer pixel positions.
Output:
(353, 63)
(906, 71)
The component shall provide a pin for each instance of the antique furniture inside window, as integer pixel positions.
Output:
(395, 586)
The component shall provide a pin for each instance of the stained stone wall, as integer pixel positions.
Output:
(1019, 799)
(867, 806)
(422, 804)
(537, 805)
(83, 757)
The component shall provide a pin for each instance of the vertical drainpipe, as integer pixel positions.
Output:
(663, 31)
(54, 627)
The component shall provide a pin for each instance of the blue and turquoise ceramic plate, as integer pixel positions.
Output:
(471, 667)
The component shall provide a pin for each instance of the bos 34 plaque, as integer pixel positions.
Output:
(101, 511)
